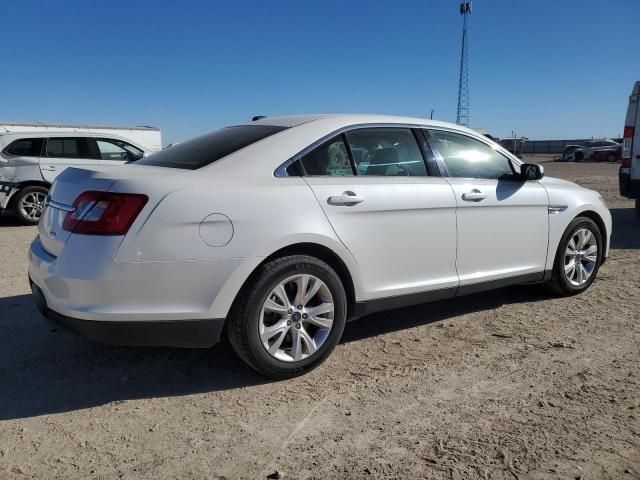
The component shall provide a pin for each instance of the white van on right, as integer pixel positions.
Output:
(630, 163)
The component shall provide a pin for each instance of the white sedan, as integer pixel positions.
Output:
(278, 231)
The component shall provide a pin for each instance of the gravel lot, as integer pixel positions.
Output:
(509, 384)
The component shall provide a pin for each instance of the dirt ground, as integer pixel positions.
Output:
(512, 384)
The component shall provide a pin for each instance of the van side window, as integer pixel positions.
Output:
(26, 147)
(59, 147)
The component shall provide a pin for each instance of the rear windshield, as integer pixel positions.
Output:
(204, 150)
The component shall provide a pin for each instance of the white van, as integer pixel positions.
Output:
(31, 160)
(630, 163)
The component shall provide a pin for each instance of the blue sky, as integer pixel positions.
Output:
(544, 68)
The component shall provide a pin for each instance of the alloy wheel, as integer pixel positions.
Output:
(32, 205)
(580, 257)
(296, 318)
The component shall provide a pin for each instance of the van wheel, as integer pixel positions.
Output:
(578, 156)
(29, 204)
(578, 258)
(611, 158)
(289, 317)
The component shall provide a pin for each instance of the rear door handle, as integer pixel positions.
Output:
(474, 195)
(347, 199)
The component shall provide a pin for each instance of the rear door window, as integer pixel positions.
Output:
(331, 158)
(69, 147)
(389, 152)
(26, 147)
(204, 150)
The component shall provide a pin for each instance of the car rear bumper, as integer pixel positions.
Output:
(629, 187)
(145, 303)
(200, 333)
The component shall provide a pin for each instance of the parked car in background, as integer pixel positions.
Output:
(594, 150)
(566, 152)
(31, 161)
(613, 154)
(278, 231)
(630, 157)
(149, 138)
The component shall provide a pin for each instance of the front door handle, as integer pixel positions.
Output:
(474, 195)
(347, 199)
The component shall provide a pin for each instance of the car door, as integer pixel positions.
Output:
(63, 152)
(115, 152)
(396, 220)
(503, 224)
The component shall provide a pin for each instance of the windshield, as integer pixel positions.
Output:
(204, 150)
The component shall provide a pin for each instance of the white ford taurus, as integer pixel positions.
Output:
(280, 230)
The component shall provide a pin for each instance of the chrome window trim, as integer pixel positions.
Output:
(281, 171)
(515, 161)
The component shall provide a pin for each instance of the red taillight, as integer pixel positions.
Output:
(627, 146)
(104, 213)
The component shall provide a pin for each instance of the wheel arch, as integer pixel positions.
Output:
(317, 250)
(22, 185)
(599, 221)
(328, 256)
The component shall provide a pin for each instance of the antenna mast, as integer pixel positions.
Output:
(462, 117)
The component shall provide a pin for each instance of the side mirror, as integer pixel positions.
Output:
(531, 171)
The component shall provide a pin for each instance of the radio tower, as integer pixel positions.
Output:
(462, 118)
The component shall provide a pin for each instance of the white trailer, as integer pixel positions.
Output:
(148, 137)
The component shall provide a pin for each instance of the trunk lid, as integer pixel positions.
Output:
(152, 181)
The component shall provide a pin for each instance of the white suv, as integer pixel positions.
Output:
(29, 163)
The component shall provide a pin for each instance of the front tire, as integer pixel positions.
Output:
(29, 204)
(289, 317)
(578, 258)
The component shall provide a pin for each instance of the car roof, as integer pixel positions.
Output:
(45, 134)
(4, 124)
(7, 137)
(303, 132)
(345, 119)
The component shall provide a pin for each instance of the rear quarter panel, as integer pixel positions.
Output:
(266, 214)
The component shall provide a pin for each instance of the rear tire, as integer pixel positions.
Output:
(260, 310)
(28, 204)
(578, 156)
(566, 281)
